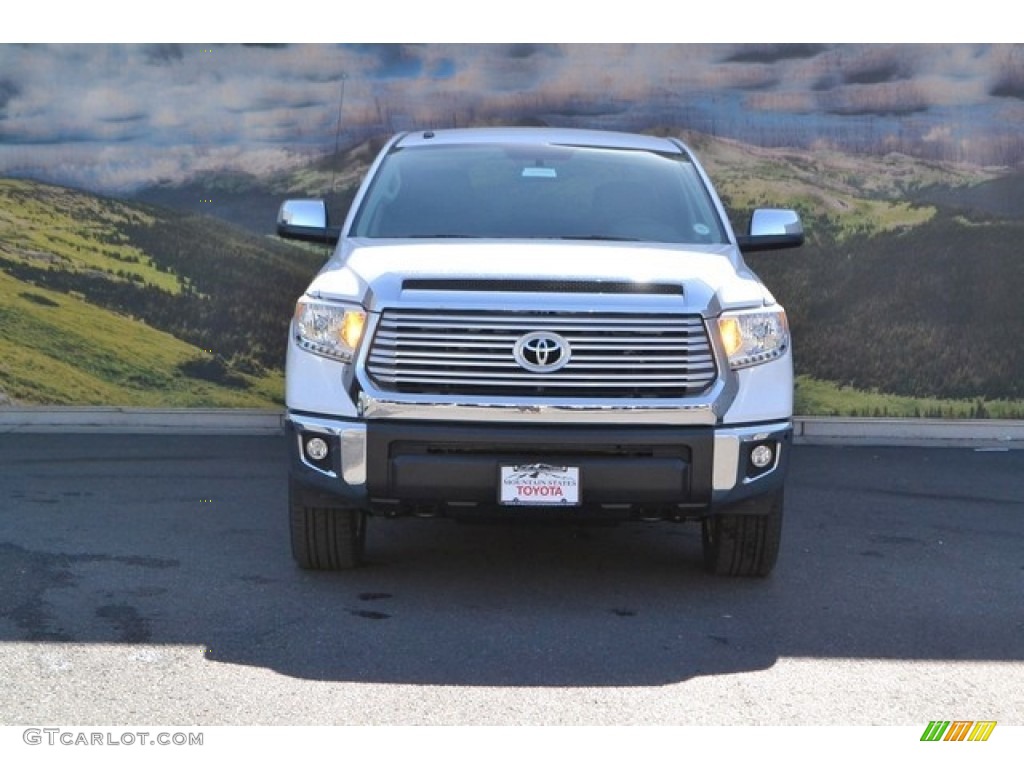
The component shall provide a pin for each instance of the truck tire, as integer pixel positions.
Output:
(326, 536)
(744, 542)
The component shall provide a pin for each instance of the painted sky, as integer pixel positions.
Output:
(114, 117)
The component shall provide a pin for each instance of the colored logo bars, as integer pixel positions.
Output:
(958, 730)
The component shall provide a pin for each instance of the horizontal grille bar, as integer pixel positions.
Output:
(553, 322)
(501, 361)
(622, 355)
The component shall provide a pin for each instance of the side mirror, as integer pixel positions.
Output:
(772, 229)
(306, 220)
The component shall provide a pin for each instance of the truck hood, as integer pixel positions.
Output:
(379, 274)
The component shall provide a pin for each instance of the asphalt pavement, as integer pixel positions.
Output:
(147, 579)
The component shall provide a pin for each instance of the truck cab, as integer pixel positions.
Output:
(538, 323)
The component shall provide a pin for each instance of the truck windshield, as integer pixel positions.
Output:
(520, 191)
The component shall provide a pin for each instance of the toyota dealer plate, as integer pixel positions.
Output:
(540, 485)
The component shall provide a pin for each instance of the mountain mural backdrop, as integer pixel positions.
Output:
(139, 183)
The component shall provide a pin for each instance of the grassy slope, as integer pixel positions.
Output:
(46, 225)
(844, 194)
(56, 348)
(815, 397)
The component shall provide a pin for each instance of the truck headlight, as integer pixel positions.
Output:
(752, 338)
(328, 329)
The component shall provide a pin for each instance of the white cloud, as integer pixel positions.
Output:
(120, 115)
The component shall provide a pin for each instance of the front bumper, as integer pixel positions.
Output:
(451, 469)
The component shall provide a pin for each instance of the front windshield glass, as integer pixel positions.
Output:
(516, 191)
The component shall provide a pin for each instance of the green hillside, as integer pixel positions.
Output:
(933, 311)
(815, 397)
(58, 349)
(109, 303)
(61, 229)
(838, 195)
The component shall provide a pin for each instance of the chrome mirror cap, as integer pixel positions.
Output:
(305, 220)
(772, 229)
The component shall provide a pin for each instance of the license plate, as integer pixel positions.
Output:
(540, 485)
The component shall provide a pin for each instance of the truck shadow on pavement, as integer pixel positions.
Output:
(158, 541)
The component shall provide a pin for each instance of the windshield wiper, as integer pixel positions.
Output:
(451, 236)
(443, 236)
(613, 238)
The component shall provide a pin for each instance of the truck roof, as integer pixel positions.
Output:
(539, 136)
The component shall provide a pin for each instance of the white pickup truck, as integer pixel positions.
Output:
(538, 323)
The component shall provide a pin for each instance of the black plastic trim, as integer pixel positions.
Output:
(418, 462)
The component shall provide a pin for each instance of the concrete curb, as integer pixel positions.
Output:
(980, 434)
(141, 421)
(808, 430)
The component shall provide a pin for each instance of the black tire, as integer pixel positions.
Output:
(326, 536)
(744, 543)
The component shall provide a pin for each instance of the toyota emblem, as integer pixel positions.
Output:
(542, 352)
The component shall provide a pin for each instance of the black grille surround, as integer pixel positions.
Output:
(613, 355)
(544, 286)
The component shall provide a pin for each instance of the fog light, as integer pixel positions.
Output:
(316, 449)
(762, 456)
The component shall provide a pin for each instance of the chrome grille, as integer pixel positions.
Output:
(618, 355)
